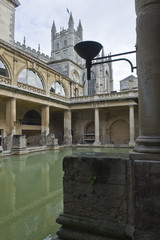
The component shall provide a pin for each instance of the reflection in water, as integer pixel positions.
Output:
(31, 194)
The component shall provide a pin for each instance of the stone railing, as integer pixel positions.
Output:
(59, 97)
(5, 80)
(107, 96)
(30, 88)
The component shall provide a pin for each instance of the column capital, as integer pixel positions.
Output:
(145, 5)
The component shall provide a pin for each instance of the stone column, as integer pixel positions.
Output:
(67, 128)
(45, 120)
(131, 126)
(96, 122)
(148, 64)
(11, 117)
(146, 158)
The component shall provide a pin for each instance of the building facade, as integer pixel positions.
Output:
(42, 96)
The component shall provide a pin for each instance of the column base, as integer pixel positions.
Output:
(131, 144)
(81, 228)
(19, 145)
(67, 140)
(97, 143)
(145, 144)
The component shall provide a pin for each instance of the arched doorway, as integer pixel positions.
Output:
(31, 127)
(89, 133)
(119, 133)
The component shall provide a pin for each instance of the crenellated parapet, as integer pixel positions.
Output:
(36, 53)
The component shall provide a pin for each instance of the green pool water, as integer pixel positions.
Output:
(31, 193)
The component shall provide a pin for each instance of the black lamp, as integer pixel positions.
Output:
(88, 50)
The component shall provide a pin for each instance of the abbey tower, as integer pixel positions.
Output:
(65, 60)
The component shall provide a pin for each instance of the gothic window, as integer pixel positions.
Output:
(58, 88)
(65, 43)
(64, 53)
(57, 56)
(57, 46)
(75, 76)
(32, 117)
(30, 77)
(3, 69)
(91, 84)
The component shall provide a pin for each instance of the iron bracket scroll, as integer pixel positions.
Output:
(114, 60)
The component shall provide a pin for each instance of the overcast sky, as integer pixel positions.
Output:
(110, 22)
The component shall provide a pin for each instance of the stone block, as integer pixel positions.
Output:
(147, 199)
(96, 188)
(19, 144)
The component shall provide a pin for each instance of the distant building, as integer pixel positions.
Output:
(129, 83)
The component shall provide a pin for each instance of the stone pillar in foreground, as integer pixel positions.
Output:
(67, 128)
(148, 64)
(146, 158)
(131, 126)
(95, 196)
(96, 122)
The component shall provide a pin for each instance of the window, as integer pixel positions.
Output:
(125, 85)
(75, 76)
(3, 69)
(65, 43)
(57, 88)
(57, 46)
(91, 84)
(32, 117)
(30, 77)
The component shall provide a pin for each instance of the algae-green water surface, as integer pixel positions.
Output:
(31, 193)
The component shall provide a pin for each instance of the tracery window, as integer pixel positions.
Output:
(58, 88)
(30, 77)
(75, 76)
(65, 43)
(91, 84)
(3, 69)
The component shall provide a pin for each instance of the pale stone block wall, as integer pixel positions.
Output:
(7, 20)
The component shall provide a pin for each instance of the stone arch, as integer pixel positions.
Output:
(31, 77)
(32, 117)
(119, 132)
(58, 87)
(89, 128)
(75, 76)
(4, 67)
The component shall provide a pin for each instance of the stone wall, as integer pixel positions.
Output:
(97, 203)
(114, 125)
(147, 199)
